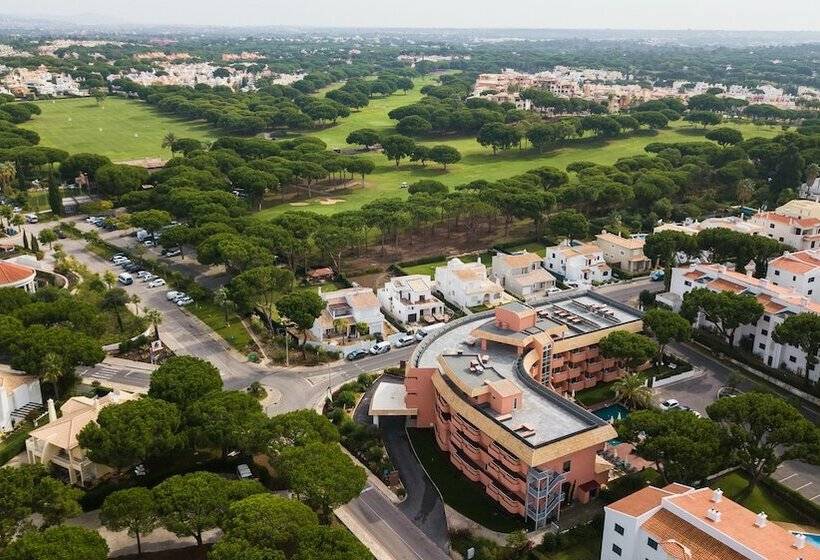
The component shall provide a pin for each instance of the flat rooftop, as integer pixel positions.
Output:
(548, 416)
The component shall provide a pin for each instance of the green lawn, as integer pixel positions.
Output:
(233, 332)
(459, 492)
(736, 486)
(536, 247)
(478, 162)
(120, 129)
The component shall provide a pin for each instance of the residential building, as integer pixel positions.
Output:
(580, 262)
(678, 522)
(493, 387)
(733, 223)
(19, 396)
(466, 284)
(410, 299)
(778, 302)
(14, 275)
(799, 271)
(346, 309)
(55, 444)
(626, 253)
(796, 223)
(521, 274)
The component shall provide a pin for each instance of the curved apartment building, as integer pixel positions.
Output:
(493, 388)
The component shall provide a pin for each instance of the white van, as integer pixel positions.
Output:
(380, 348)
(142, 235)
(125, 279)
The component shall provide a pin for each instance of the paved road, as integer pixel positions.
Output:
(701, 391)
(628, 292)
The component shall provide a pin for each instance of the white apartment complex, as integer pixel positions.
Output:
(798, 271)
(583, 263)
(678, 522)
(467, 285)
(733, 223)
(521, 274)
(796, 223)
(778, 303)
(345, 309)
(624, 252)
(410, 299)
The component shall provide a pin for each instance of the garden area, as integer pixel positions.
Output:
(463, 495)
(429, 268)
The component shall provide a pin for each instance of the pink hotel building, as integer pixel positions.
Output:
(492, 387)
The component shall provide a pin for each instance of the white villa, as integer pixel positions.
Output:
(410, 299)
(345, 308)
(19, 396)
(799, 271)
(521, 274)
(583, 263)
(467, 285)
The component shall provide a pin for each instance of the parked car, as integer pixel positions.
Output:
(670, 404)
(690, 409)
(356, 354)
(156, 283)
(657, 275)
(380, 348)
(11, 231)
(133, 267)
(125, 279)
(171, 295)
(405, 340)
(173, 252)
(143, 274)
(149, 277)
(32, 218)
(118, 257)
(148, 243)
(183, 301)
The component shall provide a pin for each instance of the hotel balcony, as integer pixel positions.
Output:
(557, 362)
(508, 502)
(507, 460)
(577, 385)
(613, 375)
(595, 367)
(559, 377)
(590, 382)
(511, 481)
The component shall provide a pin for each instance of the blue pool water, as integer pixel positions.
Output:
(813, 539)
(612, 412)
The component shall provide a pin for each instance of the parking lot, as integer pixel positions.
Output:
(701, 391)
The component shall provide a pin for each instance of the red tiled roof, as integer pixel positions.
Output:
(11, 273)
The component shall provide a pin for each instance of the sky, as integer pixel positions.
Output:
(743, 15)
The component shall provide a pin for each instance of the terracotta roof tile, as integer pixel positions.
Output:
(640, 502)
(681, 540)
(11, 273)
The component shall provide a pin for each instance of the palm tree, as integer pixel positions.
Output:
(168, 141)
(632, 390)
(52, 371)
(135, 299)
(115, 300)
(222, 298)
(109, 279)
(8, 172)
(155, 317)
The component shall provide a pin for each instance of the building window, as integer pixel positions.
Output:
(777, 273)
(767, 318)
(619, 529)
(761, 346)
(568, 467)
(652, 543)
(687, 283)
(616, 549)
(809, 292)
(764, 332)
(792, 359)
(811, 279)
(771, 226)
(794, 278)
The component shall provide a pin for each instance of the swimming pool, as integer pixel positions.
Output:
(612, 412)
(813, 539)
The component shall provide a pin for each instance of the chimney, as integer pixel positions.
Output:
(799, 541)
(52, 412)
(760, 520)
(717, 495)
(713, 515)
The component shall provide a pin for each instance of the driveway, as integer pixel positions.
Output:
(700, 392)
(423, 504)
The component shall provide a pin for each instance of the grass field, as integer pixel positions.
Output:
(477, 162)
(120, 129)
(430, 268)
